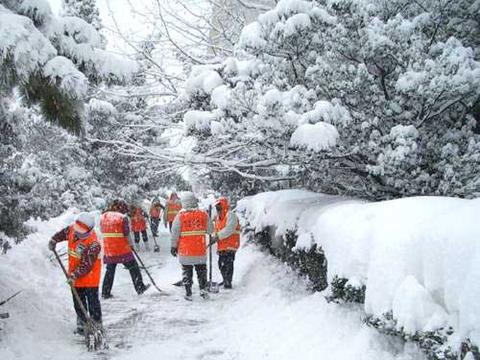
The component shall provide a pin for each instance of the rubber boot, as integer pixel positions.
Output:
(188, 293)
(143, 289)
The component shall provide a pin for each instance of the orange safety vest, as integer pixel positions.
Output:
(115, 243)
(75, 252)
(155, 211)
(138, 220)
(193, 228)
(172, 209)
(229, 243)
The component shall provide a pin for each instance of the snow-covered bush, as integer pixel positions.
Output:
(413, 262)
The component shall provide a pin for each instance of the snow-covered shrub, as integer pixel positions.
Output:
(346, 290)
(412, 262)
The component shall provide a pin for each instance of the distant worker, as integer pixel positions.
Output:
(155, 213)
(227, 237)
(189, 231)
(84, 266)
(117, 249)
(139, 225)
(172, 207)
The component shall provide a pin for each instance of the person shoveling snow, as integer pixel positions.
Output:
(188, 241)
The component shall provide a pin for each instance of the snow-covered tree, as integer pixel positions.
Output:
(47, 64)
(376, 99)
(84, 9)
(51, 60)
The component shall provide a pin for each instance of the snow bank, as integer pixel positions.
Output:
(418, 257)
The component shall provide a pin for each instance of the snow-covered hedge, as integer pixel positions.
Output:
(417, 259)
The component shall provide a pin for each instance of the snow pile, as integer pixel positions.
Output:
(315, 137)
(418, 257)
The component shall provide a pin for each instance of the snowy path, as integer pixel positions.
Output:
(268, 315)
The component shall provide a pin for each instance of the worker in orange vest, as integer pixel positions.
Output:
(155, 212)
(189, 230)
(139, 225)
(84, 266)
(117, 248)
(227, 237)
(172, 207)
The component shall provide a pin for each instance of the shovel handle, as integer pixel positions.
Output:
(146, 271)
(74, 291)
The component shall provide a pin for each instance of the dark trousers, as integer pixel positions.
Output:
(91, 303)
(225, 264)
(154, 222)
(135, 273)
(187, 272)
(136, 235)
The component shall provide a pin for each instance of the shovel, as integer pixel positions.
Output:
(211, 285)
(142, 265)
(156, 248)
(94, 336)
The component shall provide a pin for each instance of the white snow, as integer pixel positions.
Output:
(269, 314)
(221, 97)
(202, 80)
(296, 24)
(251, 37)
(418, 257)
(199, 120)
(37, 9)
(62, 71)
(22, 43)
(330, 112)
(101, 106)
(315, 137)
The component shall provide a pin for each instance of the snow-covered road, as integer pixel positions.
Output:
(268, 315)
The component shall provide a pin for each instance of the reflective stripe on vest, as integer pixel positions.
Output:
(113, 235)
(193, 233)
(74, 254)
(173, 208)
(115, 243)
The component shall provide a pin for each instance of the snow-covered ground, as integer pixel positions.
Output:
(269, 314)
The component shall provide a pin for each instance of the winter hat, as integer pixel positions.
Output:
(189, 201)
(84, 223)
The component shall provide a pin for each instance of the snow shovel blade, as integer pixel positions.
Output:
(178, 283)
(95, 338)
(213, 287)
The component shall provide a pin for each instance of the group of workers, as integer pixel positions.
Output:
(192, 230)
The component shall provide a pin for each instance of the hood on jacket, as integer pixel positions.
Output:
(224, 206)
